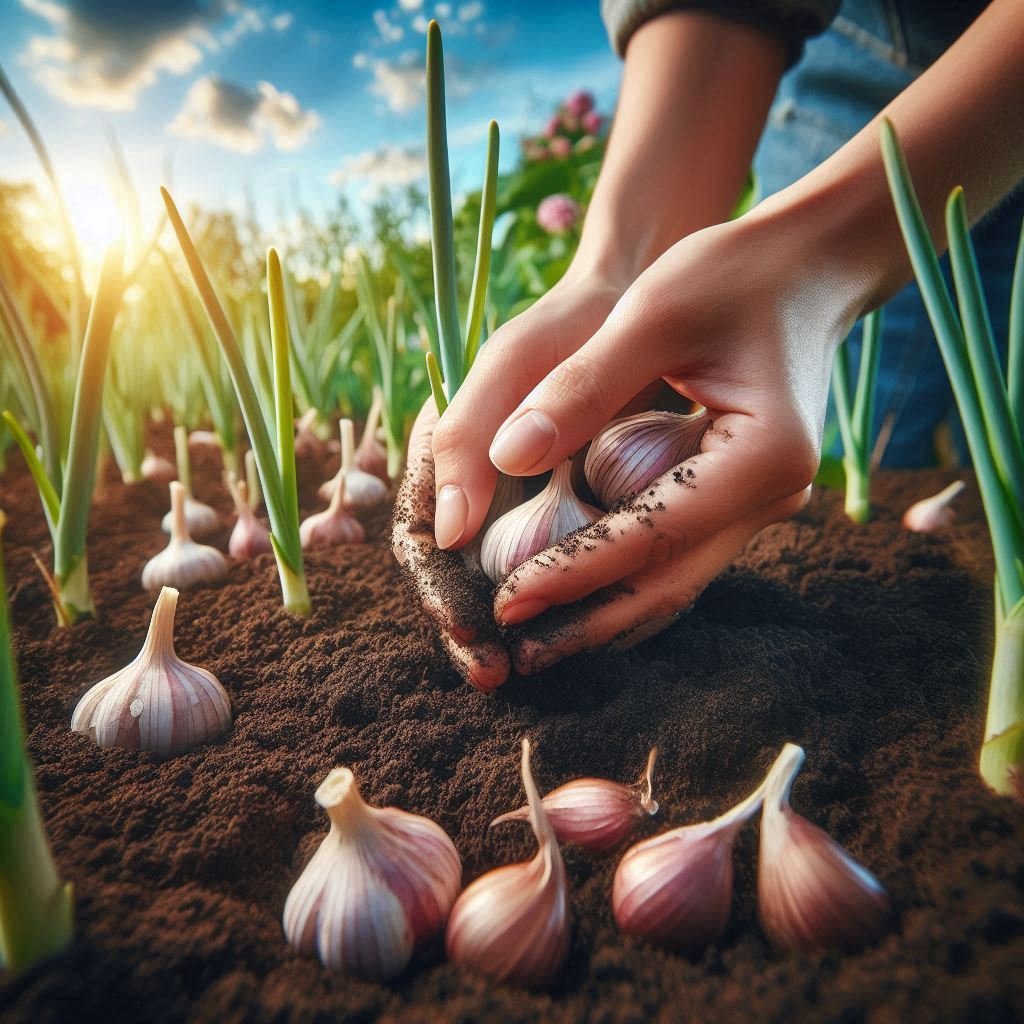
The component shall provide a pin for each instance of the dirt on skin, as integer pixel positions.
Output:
(867, 645)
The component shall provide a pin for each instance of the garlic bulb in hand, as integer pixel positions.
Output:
(513, 923)
(596, 814)
(935, 513)
(381, 882)
(249, 536)
(508, 494)
(183, 562)
(371, 455)
(535, 525)
(335, 525)
(811, 894)
(158, 703)
(631, 452)
(362, 490)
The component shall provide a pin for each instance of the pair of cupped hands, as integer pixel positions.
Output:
(726, 319)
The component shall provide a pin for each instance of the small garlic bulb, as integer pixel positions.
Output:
(249, 536)
(158, 469)
(811, 894)
(631, 452)
(513, 923)
(335, 525)
(596, 814)
(158, 703)
(535, 525)
(362, 490)
(371, 455)
(381, 882)
(183, 562)
(935, 513)
(199, 517)
(308, 443)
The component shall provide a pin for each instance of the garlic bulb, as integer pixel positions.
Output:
(508, 494)
(935, 513)
(308, 443)
(513, 923)
(596, 814)
(675, 890)
(335, 525)
(183, 562)
(631, 452)
(381, 882)
(249, 536)
(203, 439)
(535, 525)
(158, 703)
(811, 894)
(362, 490)
(371, 455)
(199, 517)
(158, 469)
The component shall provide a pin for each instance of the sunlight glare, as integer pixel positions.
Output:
(95, 217)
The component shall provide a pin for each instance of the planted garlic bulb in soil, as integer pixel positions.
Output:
(362, 490)
(535, 525)
(158, 703)
(371, 455)
(335, 525)
(935, 513)
(158, 469)
(380, 884)
(183, 563)
(199, 517)
(249, 536)
(629, 453)
(596, 814)
(513, 923)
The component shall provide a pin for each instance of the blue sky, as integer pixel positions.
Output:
(283, 97)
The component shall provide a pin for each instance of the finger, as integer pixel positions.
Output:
(744, 464)
(646, 603)
(485, 665)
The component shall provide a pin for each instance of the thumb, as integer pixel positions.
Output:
(578, 397)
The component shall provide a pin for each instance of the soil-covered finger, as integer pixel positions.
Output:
(485, 666)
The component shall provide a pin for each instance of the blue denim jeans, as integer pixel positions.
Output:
(845, 78)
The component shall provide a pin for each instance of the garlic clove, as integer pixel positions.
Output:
(183, 562)
(158, 703)
(158, 469)
(335, 525)
(362, 490)
(371, 455)
(508, 494)
(811, 894)
(535, 525)
(382, 882)
(631, 452)
(596, 814)
(249, 536)
(200, 518)
(935, 513)
(513, 923)
(203, 439)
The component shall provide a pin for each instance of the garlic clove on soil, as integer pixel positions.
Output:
(158, 469)
(183, 562)
(935, 513)
(631, 452)
(596, 814)
(381, 882)
(249, 536)
(513, 923)
(371, 455)
(158, 703)
(362, 490)
(335, 525)
(535, 525)
(811, 894)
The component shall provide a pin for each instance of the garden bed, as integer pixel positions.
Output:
(867, 645)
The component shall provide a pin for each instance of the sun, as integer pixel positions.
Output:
(95, 217)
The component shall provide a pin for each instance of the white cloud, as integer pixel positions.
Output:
(242, 119)
(399, 82)
(383, 167)
(410, 5)
(389, 31)
(283, 21)
(361, 60)
(443, 10)
(470, 11)
(419, 24)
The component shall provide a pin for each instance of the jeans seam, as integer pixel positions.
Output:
(879, 47)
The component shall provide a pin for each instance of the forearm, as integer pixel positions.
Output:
(959, 124)
(695, 94)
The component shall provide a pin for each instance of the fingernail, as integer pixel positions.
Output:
(523, 442)
(513, 614)
(450, 515)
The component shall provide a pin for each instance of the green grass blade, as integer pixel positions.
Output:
(436, 385)
(867, 381)
(841, 397)
(1015, 362)
(48, 496)
(482, 269)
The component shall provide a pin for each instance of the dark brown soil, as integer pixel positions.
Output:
(867, 645)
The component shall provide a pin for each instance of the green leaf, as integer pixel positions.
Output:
(481, 271)
(48, 496)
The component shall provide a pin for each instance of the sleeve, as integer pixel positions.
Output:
(792, 20)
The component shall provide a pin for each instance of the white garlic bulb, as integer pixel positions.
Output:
(596, 814)
(249, 536)
(199, 517)
(508, 494)
(335, 525)
(513, 923)
(158, 703)
(631, 452)
(535, 525)
(381, 882)
(371, 455)
(158, 469)
(308, 443)
(362, 490)
(811, 894)
(183, 562)
(935, 513)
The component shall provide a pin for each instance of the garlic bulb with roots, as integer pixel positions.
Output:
(380, 884)
(183, 562)
(249, 536)
(630, 453)
(935, 513)
(335, 525)
(158, 703)
(811, 894)
(371, 455)
(362, 490)
(596, 814)
(158, 469)
(535, 525)
(513, 923)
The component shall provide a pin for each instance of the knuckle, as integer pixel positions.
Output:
(582, 379)
(449, 437)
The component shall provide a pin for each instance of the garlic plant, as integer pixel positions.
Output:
(362, 490)
(158, 703)
(201, 519)
(935, 513)
(371, 455)
(183, 562)
(535, 525)
(249, 536)
(811, 894)
(381, 883)
(513, 923)
(630, 453)
(596, 814)
(335, 525)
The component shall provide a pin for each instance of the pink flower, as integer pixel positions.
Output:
(558, 213)
(552, 126)
(579, 103)
(592, 122)
(560, 146)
